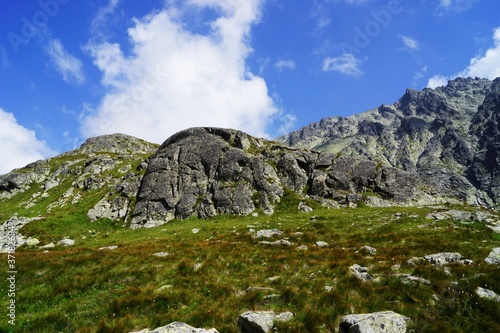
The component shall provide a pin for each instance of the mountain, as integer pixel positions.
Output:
(449, 135)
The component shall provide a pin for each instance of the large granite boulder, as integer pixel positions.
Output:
(209, 171)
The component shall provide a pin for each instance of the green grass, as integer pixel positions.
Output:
(84, 289)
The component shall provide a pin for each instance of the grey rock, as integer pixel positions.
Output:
(277, 243)
(368, 250)
(10, 237)
(117, 208)
(268, 233)
(261, 321)
(487, 294)
(360, 272)
(377, 322)
(410, 279)
(111, 247)
(494, 257)
(209, 171)
(178, 327)
(322, 244)
(304, 208)
(444, 258)
(66, 242)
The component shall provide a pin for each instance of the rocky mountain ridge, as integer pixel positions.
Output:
(449, 135)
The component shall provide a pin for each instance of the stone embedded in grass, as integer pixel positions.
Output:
(178, 327)
(410, 279)
(261, 321)
(360, 272)
(304, 208)
(377, 322)
(195, 230)
(444, 258)
(494, 256)
(487, 294)
(368, 250)
(322, 244)
(277, 243)
(268, 233)
(66, 242)
(112, 247)
(161, 254)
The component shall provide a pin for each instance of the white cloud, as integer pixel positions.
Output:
(67, 65)
(486, 65)
(409, 43)
(347, 64)
(456, 5)
(174, 78)
(285, 64)
(100, 23)
(18, 144)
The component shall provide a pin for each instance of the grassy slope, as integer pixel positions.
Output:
(84, 289)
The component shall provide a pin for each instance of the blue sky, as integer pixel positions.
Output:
(71, 69)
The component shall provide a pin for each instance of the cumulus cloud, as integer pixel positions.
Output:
(486, 65)
(174, 78)
(347, 64)
(66, 64)
(19, 145)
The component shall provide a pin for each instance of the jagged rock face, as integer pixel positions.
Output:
(449, 135)
(210, 171)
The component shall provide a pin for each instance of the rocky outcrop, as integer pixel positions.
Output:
(377, 322)
(450, 135)
(209, 171)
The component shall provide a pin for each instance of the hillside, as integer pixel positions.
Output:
(449, 135)
(215, 226)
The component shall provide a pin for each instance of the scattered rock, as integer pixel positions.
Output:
(377, 322)
(494, 256)
(161, 254)
(277, 243)
(410, 279)
(487, 294)
(32, 241)
(322, 244)
(368, 250)
(111, 247)
(304, 208)
(302, 247)
(415, 261)
(66, 242)
(444, 258)
(195, 230)
(360, 272)
(178, 327)
(48, 246)
(261, 321)
(268, 233)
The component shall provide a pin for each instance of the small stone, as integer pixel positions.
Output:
(487, 294)
(112, 247)
(368, 249)
(494, 257)
(268, 233)
(322, 244)
(195, 230)
(66, 242)
(161, 254)
(377, 322)
(32, 242)
(261, 321)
